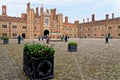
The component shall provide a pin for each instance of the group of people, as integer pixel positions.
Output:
(64, 38)
(44, 37)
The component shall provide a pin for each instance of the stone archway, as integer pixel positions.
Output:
(23, 35)
(46, 32)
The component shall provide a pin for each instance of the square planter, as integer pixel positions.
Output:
(38, 61)
(38, 68)
(5, 41)
(72, 48)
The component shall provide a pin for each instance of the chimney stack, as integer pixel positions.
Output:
(107, 16)
(76, 22)
(28, 5)
(37, 12)
(41, 10)
(23, 15)
(4, 10)
(66, 19)
(93, 17)
(83, 20)
(112, 15)
(87, 19)
(47, 11)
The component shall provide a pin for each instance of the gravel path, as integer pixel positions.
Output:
(94, 59)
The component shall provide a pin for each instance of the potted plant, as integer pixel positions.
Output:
(72, 46)
(5, 40)
(38, 61)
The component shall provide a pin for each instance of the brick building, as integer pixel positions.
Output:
(100, 28)
(33, 24)
(40, 22)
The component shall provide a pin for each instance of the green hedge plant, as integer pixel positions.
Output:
(38, 50)
(72, 43)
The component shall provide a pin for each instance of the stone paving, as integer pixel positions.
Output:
(94, 60)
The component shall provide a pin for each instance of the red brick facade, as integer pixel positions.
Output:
(100, 28)
(38, 23)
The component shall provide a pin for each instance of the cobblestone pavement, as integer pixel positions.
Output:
(94, 60)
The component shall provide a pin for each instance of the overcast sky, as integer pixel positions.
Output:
(74, 9)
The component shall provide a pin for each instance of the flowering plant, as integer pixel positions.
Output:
(38, 50)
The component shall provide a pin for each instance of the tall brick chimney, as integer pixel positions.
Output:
(107, 16)
(47, 11)
(112, 15)
(37, 12)
(28, 5)
(87, 19)
(83, 20)
(76, 22)
(41, 10)
(93, 17)
(4, 10)
(23, 15)
(66, 19)
(54, 11)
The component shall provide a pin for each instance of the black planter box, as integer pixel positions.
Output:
(5, 41)
(38, 68)
(72, 48)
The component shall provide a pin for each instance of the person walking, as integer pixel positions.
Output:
(47, 40)
(106, 40)
(19, 39)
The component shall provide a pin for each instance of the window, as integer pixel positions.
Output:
(95, 34)
(118, 27)
(14, 34)
(35, 35)
(46, 21)
(88, 29)
(82, 29)
(4, 34)
(109, 27)
(24, 27)
(34, 28)
(14, 26)
(118, 34)
(4, 26)
(102, 34)
(88, 34)
(95, 28)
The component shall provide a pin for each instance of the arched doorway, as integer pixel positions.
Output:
(46, 32)
(23, 35)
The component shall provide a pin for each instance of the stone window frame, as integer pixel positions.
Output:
(118, 34)
(4, 26)
(102, 34)
(47, 21)
(14, 26)
(89, 29)
(35, 28)
(88, 35)
(118, 26)
(14, 34)
(24, 27)
(4, 34)
(109, 27)
(95, 35)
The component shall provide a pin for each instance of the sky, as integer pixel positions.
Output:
(74, 9)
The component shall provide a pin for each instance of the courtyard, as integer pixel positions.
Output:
(94, 60)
